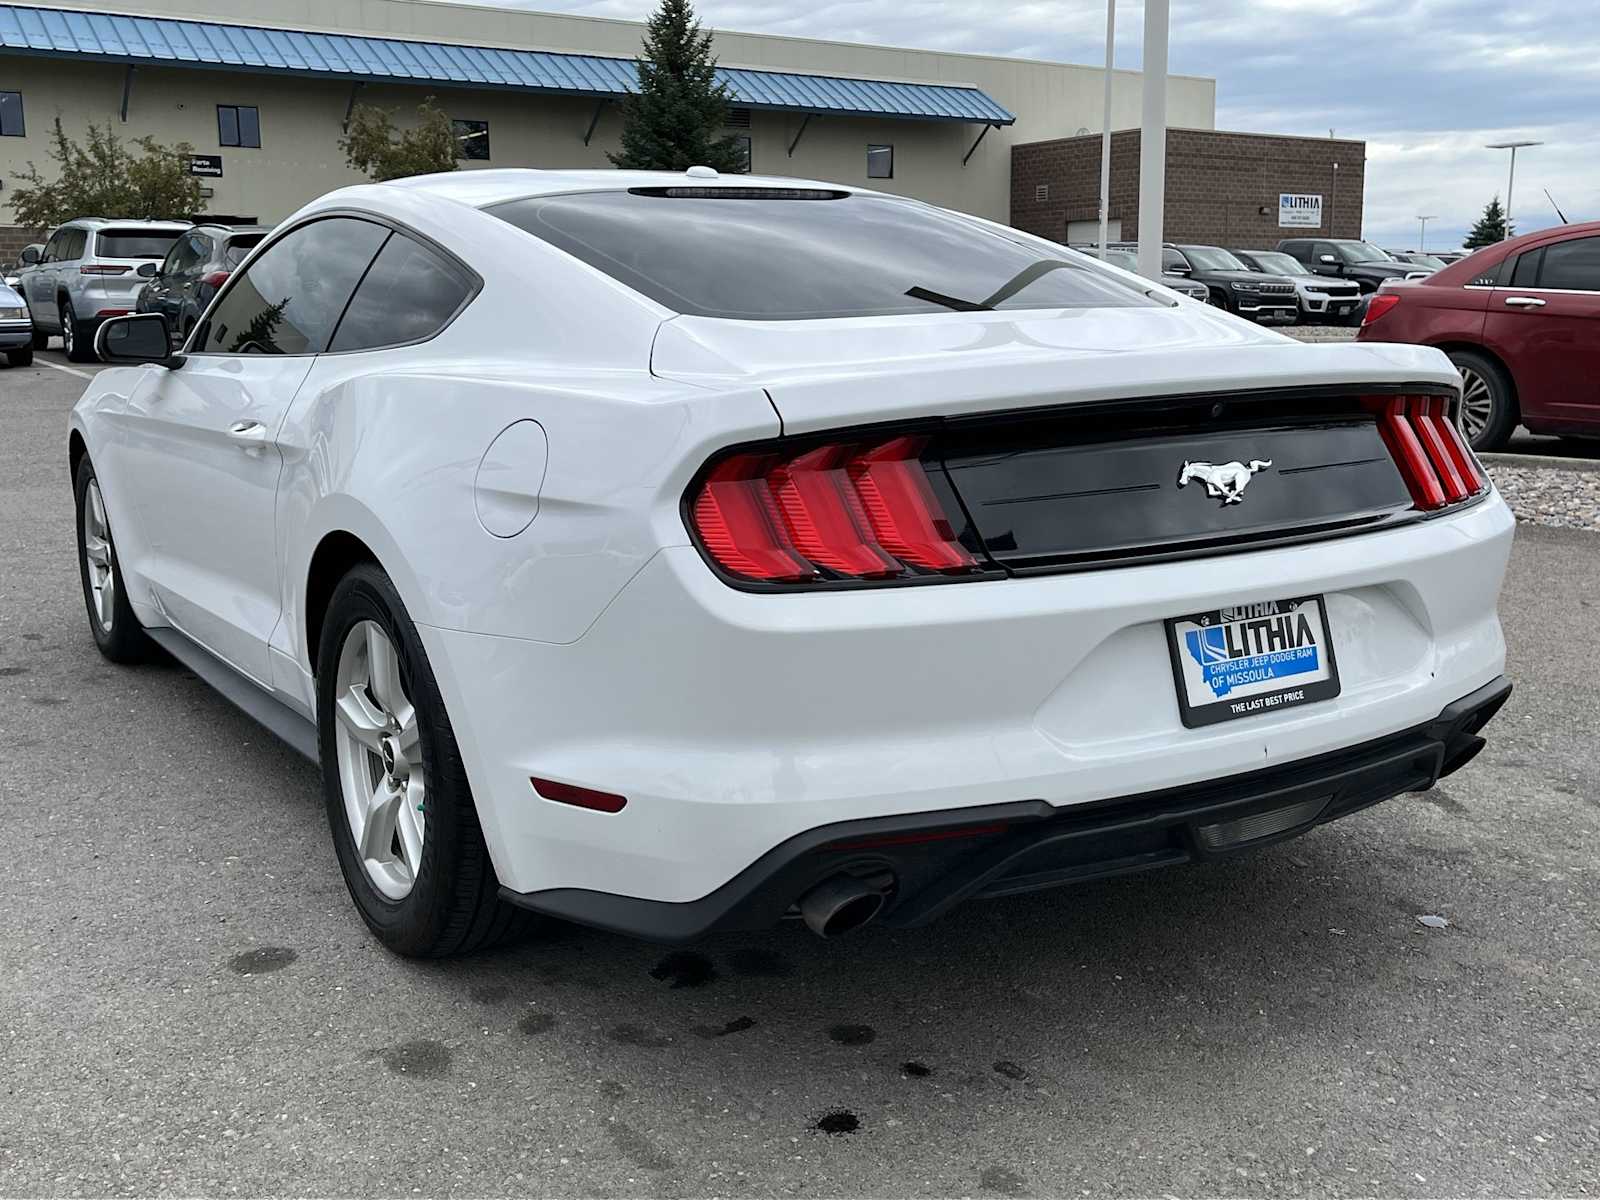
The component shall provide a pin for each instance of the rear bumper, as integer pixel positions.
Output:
(939, 859)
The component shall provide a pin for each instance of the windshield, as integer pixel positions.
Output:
(135, 243)
(239, 245)
(1426, 260)
(775, 254)
(1363, 252)
(1271, 262)
(1126, 260)
(1213, 258)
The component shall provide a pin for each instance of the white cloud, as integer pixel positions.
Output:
(1425, 82)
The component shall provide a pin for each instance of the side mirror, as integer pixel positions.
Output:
(1176, 269)
(1328, 260)
(148, 270)
(138, 338)
(29, 256)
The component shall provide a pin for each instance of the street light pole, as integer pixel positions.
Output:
(1422, 235)
(1105, 127)
(1512, 178)
(1153, 138)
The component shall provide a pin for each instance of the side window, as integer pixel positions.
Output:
(1526, 272)
(409, 294)
(52, 248)
(72, 249)
(1299, 251)
(290, 299)
(11, 124)
(472, 139)
(1173, 258)
(239, 125)
(186, 255)
(1572, 266)
(1492, 276)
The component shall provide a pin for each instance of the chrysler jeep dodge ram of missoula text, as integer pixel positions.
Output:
(677, 553)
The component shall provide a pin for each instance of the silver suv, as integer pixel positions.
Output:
(91, 269)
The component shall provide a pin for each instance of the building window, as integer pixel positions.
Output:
(472, 139)
(880, 162)
(738, 118)
(742, 145)
(239, 125)
(11, 114)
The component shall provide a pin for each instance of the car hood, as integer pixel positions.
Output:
(9, 297)
(823, 374)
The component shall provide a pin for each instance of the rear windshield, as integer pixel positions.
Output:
(239, 245)
(768, 255)
(135, 243)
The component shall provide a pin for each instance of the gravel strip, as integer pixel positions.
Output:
(1565, 499)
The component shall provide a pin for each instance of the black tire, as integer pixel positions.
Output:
(1504, 414)
(125, 641)
(20, 358)
(1219, 300)
(77, 337)
(454, 905)
(41, 339)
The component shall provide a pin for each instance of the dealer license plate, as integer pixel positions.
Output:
(1252, 659)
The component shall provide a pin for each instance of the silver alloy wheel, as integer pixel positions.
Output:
(97, 556)
(1477, 403)
(67, 332)
(380, 760)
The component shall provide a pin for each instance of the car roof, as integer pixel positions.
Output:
(498, 185)
(230, 230)
(102, 222)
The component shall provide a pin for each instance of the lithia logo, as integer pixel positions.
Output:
(1253, 643)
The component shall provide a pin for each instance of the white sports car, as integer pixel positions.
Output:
(675, 553)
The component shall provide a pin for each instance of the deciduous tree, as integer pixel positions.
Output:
(101, 177)
(377, 148)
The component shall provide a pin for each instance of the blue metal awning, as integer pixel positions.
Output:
(136, 40)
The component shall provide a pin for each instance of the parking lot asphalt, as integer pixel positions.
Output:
(189, 1004)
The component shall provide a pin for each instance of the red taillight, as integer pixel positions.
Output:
(1378, 305)
(113, 312)
(215, 278)
(903, 510)
(579, 797)
(102, 269)
(1438, 468)
(839, 510)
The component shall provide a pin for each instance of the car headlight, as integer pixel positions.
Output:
(12, 314)
(1243, 287)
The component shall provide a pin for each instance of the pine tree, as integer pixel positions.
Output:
(674, 120)
(1491, 227)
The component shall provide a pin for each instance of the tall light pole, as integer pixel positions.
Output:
(1153, 138)
(1512, 178)
(1422, 234)
(1105, 127)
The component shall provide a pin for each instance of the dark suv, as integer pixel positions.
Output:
(1232, 285)
(193, 270)
(1346, 258)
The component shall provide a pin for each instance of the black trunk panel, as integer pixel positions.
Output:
(1103, 486)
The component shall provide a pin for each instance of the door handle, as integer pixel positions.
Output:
(249, 435)
(1524, 302)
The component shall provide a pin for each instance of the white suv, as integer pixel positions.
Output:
(92, 269)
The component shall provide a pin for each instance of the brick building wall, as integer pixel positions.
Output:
(12, 239)
(1218, 185)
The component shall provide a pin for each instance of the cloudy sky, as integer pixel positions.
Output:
(1425, 82)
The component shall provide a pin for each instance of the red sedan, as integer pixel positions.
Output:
(1521, 322)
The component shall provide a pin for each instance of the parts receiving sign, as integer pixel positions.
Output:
(207, 165)
(1299, 212)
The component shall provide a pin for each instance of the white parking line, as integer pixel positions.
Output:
(45, 362)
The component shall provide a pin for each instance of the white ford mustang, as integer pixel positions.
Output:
(675, 553)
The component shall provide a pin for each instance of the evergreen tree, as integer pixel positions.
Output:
(675, 119)
(1491, 227)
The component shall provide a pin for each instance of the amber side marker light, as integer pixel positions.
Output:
(578, 797)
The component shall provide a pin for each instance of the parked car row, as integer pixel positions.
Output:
(92, 268)
(1521, 322)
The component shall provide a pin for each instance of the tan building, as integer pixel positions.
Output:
(261, 89)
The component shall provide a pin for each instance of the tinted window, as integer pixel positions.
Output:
(11, 115)
(290, 298)
(1273, 263)
(1213, 258)
(239, 247)
(1299, 251)
(135, 243)
(741, 253)
(72, 248)
(409, 294)
(54, 247)
(186, 255)
(1573, 266)
(1170, 258)
(1526, 272)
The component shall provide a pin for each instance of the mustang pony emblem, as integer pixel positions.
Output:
(1224, 481)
